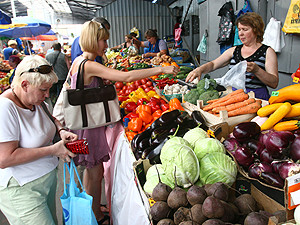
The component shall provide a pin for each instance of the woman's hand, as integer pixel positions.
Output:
(196, 73)
(61, 151)
(68, 136)
(170, 70)
(252, 67)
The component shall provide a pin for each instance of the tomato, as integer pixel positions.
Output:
(127, 92)
(124, 88)
(147, 89)
(144, 86)
(119, 85)
(132, 87)
(149, 83)
(144, 81)
(137, 83)
(122, 92)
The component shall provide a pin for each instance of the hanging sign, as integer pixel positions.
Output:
(292, 20)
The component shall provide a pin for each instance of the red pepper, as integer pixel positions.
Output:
(130, 106)
(141, 108)
(142, 101)
(135, 124)
(123, 98)
(130, 116)
(154, 106)
(164, 106)
(153, 99)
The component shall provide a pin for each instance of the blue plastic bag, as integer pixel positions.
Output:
(77, 206)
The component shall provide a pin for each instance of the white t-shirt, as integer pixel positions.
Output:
(32, 129)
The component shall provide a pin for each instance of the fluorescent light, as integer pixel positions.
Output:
(60, 5)
(154, 1)
(49, 5)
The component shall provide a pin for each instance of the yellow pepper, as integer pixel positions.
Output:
(124, 103)
(133, 96)
(142, 94)
(153, 94)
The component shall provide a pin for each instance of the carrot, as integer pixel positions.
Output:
(226, 96)
(234, 105)
(251, 108)
(235, 98)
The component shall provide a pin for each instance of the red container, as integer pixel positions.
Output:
(78, 147)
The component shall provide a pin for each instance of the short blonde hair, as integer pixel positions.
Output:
(34, 78)
(91, 33)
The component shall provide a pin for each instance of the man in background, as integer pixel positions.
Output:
(11, 50)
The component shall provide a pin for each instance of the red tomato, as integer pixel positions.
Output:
(144, 86)
(144, 81)
(137, 83)
(132, 87)
(147, 89)
(122, 92)
(119, 85)
(124, 88)
(149, 83)
(127, 92)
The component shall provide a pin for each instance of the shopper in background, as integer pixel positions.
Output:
(28, 158)
(11, 50)
(13, 62)
(93, 46)
(28, 47)
(126, 44)
(76, 49)
(153, 43)
(61, 66)
(262, 65)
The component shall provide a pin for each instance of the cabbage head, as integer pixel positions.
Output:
(174, 140)
(152, 178)
(217, 167)
(194, 135)
(182, 159)
(208, 145)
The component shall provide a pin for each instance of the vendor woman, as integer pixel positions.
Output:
(153, 43)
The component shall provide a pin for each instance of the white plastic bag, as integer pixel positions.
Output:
(235, 77)
(273, 36)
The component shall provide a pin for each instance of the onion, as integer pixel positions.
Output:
(288, 169)
(295, 149)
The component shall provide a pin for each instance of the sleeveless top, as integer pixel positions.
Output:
(259, 57)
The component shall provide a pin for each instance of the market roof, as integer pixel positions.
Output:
(84, 9)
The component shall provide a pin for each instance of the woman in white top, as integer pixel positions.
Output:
(28, 158)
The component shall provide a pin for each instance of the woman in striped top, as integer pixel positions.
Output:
(262, 65)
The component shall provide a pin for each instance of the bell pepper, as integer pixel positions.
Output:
(174, 64)
(157, 114)
(135, 124)
(141, 108)
(174, 103)
(125, 102)
(154, 106)
(130, 135)
(156, 100)
(142, 101)
(145, 116)
(130, 116)
(164, 106)
(133, 96)
(142, 94)
(130, 106)
(122, 98)
(153, 94)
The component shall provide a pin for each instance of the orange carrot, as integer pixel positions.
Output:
(235, 98)
(251, 108)
(234, 105)
(226, 96)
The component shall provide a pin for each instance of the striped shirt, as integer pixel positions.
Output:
(259, 57)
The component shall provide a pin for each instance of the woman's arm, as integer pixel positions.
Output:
(95, 69)
(11, 154)
(270, 75)
(219, 62)
(120, 46)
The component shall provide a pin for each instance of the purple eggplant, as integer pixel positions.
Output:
(295, 149)
(272, 179)
(246, 130)
(257, 168)
(278, 141)
(255, 146)
(288, 169)
(264, 136)
(276, 164)
(265, 156)
(297, 132)
(231, 144)
(244, 156)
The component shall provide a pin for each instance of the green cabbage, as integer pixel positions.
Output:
(208, 145)
(217, 167)
(194, 135)
(152, 178)
(182, 158)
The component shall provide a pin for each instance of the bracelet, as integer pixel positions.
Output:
(63, 128)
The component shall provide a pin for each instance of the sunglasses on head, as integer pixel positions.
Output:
(43, 69)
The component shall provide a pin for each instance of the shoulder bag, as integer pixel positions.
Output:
(86, 108)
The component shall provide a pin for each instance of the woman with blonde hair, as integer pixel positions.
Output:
(28, 158)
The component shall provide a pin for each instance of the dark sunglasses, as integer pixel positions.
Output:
(44, 69)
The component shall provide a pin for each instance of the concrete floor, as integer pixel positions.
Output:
(60, 190)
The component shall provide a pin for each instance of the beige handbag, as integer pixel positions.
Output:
(85, 108)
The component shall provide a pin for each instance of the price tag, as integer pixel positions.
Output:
(275, 93)
(296, 80)
(151, 202)
(211, 133)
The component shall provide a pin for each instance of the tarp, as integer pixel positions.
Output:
(4, 18)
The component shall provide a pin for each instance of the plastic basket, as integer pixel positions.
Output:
(169, 97)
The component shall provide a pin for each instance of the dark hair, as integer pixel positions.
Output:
(103, 21)
(132, 34)
(128, 36)
(151, 33)
(57, 46)
(255, 21)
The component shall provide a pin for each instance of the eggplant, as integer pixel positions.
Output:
(156, 123)
(297, 132)
(244, 156)
(169, 117)
(231, 144)
(264, 135)
(278, 141)
(276, 164)
(153, 155)
(272, 179)
(265, 156)
(289, 169)
(295, 149)
(257, 168)
(145, 143)
(199, 119)
(255, 146)
(139, 137)
(246, 130)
